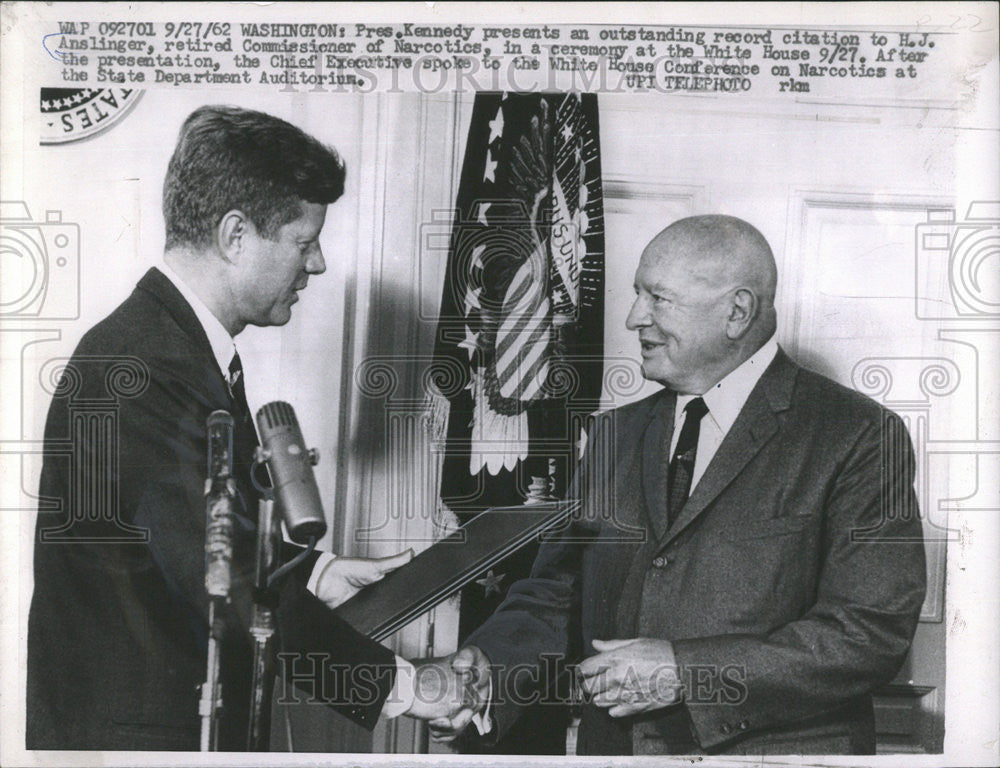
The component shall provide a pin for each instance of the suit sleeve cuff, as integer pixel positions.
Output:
(714, 720)
(401, 696)
(324, 559)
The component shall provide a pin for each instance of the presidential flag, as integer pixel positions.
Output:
(522, 316)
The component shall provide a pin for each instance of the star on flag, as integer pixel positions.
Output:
(491, 583)
(489, 174)
(470, 342)
(472, 299)
(477, 252)
(481, 218)
(496, 127)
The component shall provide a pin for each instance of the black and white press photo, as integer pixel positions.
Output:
(467, 383)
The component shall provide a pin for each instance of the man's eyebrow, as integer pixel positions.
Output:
(662, 288)
(651, 287)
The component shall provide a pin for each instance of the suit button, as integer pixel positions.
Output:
(726, 728)
(659, 562)
(744, 724)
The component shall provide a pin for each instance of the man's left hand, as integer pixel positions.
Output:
(343, 577)
(628, 677)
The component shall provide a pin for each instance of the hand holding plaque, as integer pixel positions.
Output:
(343, 577)
(441, 570)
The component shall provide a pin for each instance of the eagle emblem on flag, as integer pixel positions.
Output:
(521, 257)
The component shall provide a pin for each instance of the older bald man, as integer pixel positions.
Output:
(748, 564)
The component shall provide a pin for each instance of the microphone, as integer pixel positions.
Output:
(219, 494)
(291, 466)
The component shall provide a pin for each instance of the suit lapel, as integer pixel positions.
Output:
(655, 441)
(160, 286)
(206, 378)
(755, 425)
(619, 455)
(627, 533)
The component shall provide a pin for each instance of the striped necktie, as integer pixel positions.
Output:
(682, 464)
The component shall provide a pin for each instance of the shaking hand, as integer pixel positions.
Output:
(472, 668)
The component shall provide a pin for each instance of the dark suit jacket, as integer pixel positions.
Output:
(117, 633)
(790, 584)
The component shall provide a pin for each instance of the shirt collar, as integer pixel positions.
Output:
(223, 345)
(726, 399)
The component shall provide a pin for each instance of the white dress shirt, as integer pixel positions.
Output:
(725, 401)
(223, 348)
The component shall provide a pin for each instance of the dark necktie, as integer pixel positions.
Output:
(244, 438)
(682, 464)
(241, 411)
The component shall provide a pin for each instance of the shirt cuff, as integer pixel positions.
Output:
(324, 559)
(482, 719)
(402, 694)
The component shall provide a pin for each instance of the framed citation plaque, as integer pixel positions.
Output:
(444, 568)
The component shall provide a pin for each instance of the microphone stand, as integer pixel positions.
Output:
(262, 627)
(220, 491)
(281, 435)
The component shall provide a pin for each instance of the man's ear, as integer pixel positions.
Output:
(742, 313)
(234, 227)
